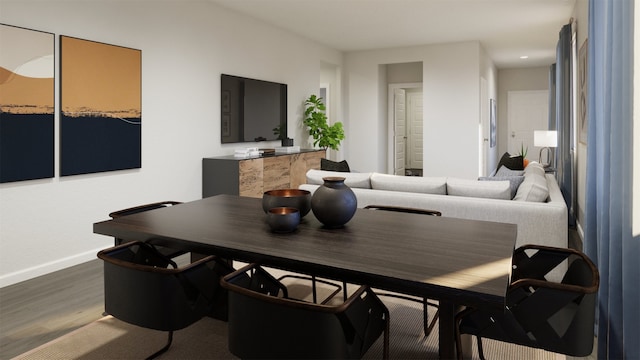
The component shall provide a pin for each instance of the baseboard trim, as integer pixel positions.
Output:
(43, 269)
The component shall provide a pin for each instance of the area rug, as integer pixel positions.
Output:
(109, 338)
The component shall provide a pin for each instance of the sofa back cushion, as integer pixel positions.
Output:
(479, 189)
(355, 180)
(415, 184)
(534, 187)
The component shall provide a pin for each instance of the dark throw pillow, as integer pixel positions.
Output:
(511, 162)
(326, 164)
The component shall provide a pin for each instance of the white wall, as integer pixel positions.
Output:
(46, 225)
(518, 79)
(451, 81)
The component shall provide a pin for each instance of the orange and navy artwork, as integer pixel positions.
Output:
(101, 107)
(26, 104)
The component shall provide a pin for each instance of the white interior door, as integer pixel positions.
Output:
(414, 129)
(527, 111)
(400, 130)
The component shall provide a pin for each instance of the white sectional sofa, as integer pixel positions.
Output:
(537, 207)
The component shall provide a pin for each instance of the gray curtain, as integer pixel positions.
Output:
(609, 238)
(565, 152)
(552, 99)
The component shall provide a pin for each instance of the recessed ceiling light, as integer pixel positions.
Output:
(524, 57)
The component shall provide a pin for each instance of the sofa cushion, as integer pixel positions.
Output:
(505, 171)
(534, 187)
(514, 182)
(534, 168)
(480, 189)
(356, 180)
(531, 192)
(416, 184)
(330, 165)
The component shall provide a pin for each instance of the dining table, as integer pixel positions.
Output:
(457, 262)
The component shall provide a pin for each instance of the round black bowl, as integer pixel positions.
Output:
(295, 198)
(283, 219)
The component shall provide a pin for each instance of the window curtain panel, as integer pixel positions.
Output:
(609, 239)
(552, 100)
(565, 151)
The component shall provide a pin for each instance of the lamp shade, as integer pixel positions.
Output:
(544, 138)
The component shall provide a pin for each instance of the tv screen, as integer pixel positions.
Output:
(252, 110)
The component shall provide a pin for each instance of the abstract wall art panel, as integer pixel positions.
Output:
(101, 110)
(26, 104)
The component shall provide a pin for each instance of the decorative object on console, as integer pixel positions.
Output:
(294, 198)
(287, 142)
(546, 140)
(246, 152)
(283, 219)
(288, 149)
(329, 165)
(324, 135)
(334, 203)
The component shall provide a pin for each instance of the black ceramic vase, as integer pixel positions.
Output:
(334, 203)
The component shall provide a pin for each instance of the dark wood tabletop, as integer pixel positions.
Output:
(455, 261)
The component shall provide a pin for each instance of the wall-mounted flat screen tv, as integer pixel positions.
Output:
(252, 110)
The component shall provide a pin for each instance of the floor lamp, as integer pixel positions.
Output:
(546, 140)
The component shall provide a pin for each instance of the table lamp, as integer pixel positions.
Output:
(546, 140)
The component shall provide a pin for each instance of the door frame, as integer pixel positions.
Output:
(390, 123)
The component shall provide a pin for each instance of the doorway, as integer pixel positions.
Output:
(405, 140)
(527, 111)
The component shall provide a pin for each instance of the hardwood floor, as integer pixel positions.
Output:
(39, 310)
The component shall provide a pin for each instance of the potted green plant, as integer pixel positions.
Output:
(523, 153)
(324, 135)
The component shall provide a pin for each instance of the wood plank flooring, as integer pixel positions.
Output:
(39, 310)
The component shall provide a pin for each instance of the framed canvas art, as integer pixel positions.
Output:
(26, 104)
(101, 110)
(493, 123)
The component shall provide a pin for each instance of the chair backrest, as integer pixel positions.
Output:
(404, 209)
(140, 289)
(559, 317)
(262, 325)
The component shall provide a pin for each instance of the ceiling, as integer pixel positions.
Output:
(507, 29)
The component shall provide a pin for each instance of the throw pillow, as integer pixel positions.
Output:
(511, 162)
(505, 171)
(329, 165)
(531, 191)
(514, 182)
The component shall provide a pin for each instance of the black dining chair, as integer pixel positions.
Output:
(146, 288)
(265, 323)
(556, 316)
(427, 326)
(142, 208)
